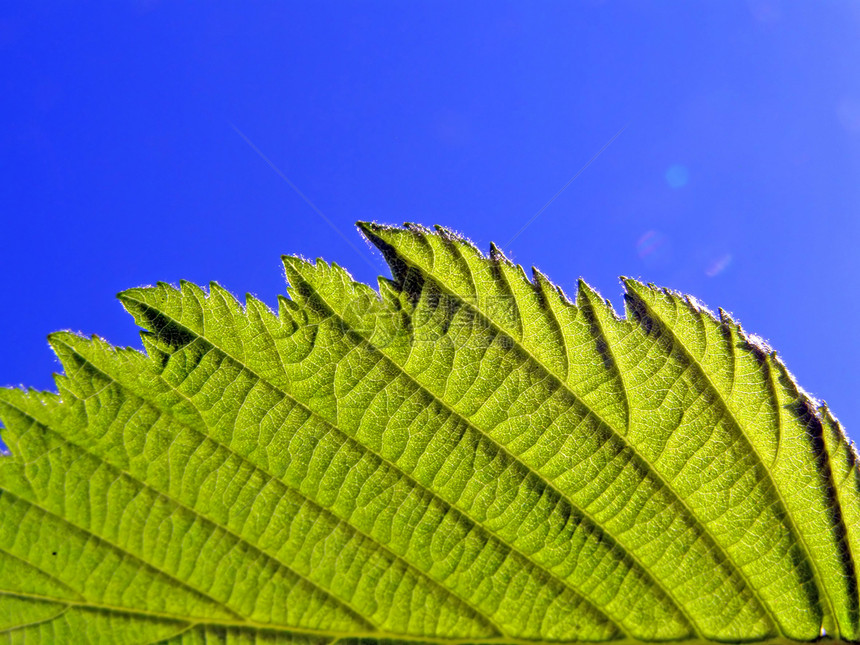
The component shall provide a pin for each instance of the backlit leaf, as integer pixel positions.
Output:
(460, 456)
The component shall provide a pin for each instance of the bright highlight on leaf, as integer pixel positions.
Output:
(462, 456)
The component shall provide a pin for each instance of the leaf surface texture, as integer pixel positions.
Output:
(461, 456)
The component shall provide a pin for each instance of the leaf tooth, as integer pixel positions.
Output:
(12, 401)
(221, 294)
(253, 303)
(290, 312)
(548, 289)
(293, 257)
(634, 305)
(414, 227)
(136, 302)
(497, 254)
(62, 343)
(727, 321)
(382, 237)
(186, 287)
(292, 266)
(363, 225)
(448, 234)
(602, 318)
(586, 294)
(388, 290)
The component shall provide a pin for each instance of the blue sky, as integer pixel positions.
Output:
(126, 155)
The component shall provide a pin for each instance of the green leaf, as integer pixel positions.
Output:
(462, 456)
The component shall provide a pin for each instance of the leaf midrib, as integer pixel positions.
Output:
(191, 622)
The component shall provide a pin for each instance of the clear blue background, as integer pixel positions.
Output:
(736, 178)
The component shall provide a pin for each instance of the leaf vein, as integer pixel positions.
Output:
(705, 531)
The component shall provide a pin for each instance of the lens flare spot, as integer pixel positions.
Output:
(719, 265)
(650, 244)
(677, 176)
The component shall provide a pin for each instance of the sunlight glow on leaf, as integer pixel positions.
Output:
(462, 455)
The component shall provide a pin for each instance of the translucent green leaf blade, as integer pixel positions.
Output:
(462, 455)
